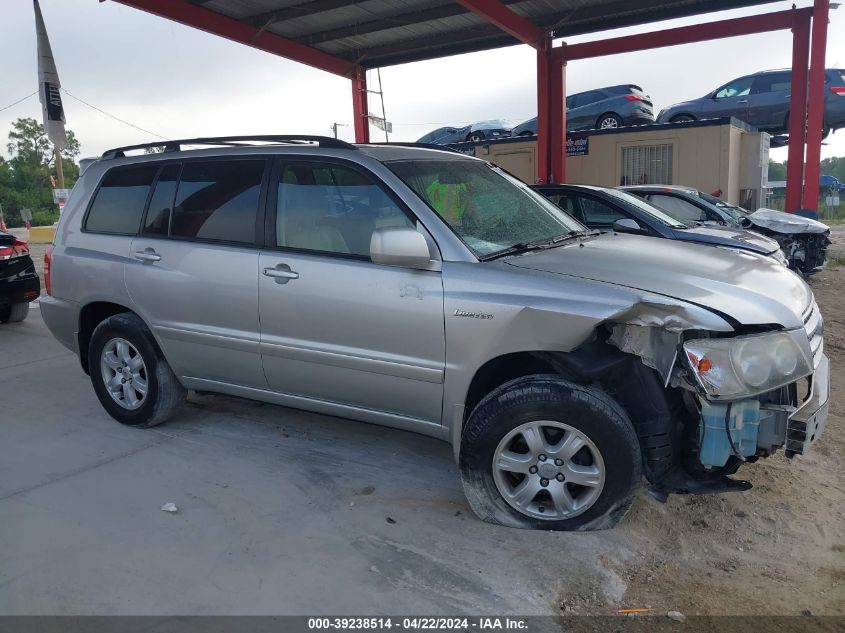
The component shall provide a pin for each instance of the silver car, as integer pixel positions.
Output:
(430, 291)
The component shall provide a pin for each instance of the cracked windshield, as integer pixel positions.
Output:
(487, 208)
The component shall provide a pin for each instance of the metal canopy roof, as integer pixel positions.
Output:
(375, 33)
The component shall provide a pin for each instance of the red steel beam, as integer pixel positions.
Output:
(198, 17)
(557, 116)
(798, 110)
(360, 107)
(544, 156)
(507, 20)
(763, 23)
(815, 106)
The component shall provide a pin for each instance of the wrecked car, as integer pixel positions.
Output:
(607, 209)
(432, 292)
(803, 241)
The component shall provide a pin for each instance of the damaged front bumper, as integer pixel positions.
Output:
(807, 423)
(791, 418)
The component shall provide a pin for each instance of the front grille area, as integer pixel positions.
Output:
(814, 327)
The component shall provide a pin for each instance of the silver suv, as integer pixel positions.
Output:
(429, 291)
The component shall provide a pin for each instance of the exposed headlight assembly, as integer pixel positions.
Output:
(744, 366)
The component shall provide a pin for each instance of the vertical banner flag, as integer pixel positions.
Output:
(48, 86)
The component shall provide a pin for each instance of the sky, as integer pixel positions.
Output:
(176, 82)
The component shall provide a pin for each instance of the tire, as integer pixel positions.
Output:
(126, 332)
(527, 134)
(498, 429)
(681, 118)
(475, 137)
(14, 313)
(608, 121)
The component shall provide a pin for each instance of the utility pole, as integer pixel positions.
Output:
(60, 173)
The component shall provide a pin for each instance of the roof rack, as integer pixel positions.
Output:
(235, 141)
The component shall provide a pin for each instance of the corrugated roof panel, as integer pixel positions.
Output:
(385, 32)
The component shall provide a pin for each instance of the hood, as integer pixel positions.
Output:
(675, 107)
(730, 236)
(489, 125)
(781, 222)
(751, 289)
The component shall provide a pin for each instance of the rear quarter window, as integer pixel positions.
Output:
(120, 199)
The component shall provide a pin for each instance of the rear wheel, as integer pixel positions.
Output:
(475, 137)
(129, 373)
(609, 121)
(680, 118)
(544, 453)
(14, 313)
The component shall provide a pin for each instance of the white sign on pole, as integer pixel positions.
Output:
(384, 126)
(60, 195)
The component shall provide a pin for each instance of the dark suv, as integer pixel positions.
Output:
(18, 280)
(601, 109)
(762, 100)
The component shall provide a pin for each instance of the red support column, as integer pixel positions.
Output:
(815, 106)
(797, 112)
(360, 109)
(544, 65)
(557, 120)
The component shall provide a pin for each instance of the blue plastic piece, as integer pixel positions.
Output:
(743, 424)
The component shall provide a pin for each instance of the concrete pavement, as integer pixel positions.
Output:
(280, 512)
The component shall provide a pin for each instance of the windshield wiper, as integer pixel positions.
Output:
(523, 247)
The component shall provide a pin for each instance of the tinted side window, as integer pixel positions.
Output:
(218, 200)
(584, 98)
(161, 203)
(772, 82)
(332, 208)
(678, 208)
(599, 213)
(119, 202)
(567, 203)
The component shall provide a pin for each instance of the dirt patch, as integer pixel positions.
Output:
(777, 549)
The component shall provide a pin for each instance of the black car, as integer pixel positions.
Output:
(607, 209)
(804, 241)
(601, 109)
(18, 280)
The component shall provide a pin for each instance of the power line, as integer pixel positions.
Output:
(101, 111)
(18, 101)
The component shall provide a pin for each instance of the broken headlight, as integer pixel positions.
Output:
(728, 368)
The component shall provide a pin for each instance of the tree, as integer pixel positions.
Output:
(777, 171)
(834, 167)
(25, 178)
(28, 141)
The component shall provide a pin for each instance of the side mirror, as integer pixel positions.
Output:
(399, 246)
(627, 225)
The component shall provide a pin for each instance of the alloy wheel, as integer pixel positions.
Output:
(548, 470)
(124, 373)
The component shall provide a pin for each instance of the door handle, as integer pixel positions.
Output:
(148, 255)
(281, 273)
(743, 101)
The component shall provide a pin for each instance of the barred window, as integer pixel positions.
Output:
(647, 165)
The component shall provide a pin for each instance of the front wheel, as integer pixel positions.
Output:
(475, 137)
(14, 313)
(129, 373)
(543, 453)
